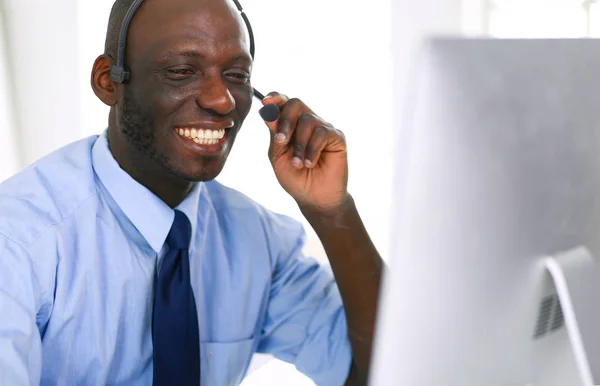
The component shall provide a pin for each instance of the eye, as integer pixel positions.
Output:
(238, 76)
(179, 73)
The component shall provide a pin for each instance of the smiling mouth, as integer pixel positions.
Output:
(202, 136)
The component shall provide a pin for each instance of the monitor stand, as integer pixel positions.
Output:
(576, 279)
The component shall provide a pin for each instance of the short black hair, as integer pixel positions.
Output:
(117, 16)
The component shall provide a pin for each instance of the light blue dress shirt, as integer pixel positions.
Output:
(80, 242)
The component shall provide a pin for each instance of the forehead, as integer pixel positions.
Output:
(162, 26)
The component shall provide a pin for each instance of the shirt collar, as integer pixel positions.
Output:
(148, 213)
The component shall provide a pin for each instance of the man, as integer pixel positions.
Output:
(123, 263)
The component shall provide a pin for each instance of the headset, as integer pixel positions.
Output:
(120, 74)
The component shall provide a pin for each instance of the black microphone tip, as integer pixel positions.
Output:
(269, 113)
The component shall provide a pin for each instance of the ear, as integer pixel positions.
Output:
(103, 86)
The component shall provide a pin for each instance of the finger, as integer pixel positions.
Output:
(307, 122)
(318, 141)
(288, 120)
(275, 98)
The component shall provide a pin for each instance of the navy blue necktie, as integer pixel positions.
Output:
(175, 322)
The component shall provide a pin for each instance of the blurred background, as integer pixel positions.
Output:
(345, 58)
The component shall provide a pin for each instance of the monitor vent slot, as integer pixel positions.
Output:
(550, 317)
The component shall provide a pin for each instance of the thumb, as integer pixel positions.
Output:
(273, 104)
(270, 114)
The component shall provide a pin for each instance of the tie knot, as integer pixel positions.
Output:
(181, 232)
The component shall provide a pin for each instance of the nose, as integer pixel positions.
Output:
(215, 96)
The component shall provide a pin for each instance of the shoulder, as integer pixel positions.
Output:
(46, 192)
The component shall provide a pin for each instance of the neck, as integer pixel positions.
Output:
(171, 189)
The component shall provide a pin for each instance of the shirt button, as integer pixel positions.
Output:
(210, 356)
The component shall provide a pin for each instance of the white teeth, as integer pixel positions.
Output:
(202, 136)
(206, 141)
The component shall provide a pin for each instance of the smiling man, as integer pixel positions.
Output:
(122, 262)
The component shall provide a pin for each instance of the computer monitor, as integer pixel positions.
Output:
(493, 279)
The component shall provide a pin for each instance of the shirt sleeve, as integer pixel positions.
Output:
(305, 323)
(20, 342)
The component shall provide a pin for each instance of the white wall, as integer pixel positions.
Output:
(44, 61)
(92, 20)
(337, 60)
(9, 153)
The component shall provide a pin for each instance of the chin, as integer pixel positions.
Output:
(203, 173)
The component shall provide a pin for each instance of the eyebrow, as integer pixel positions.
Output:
(189, 54)
(196, 54)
